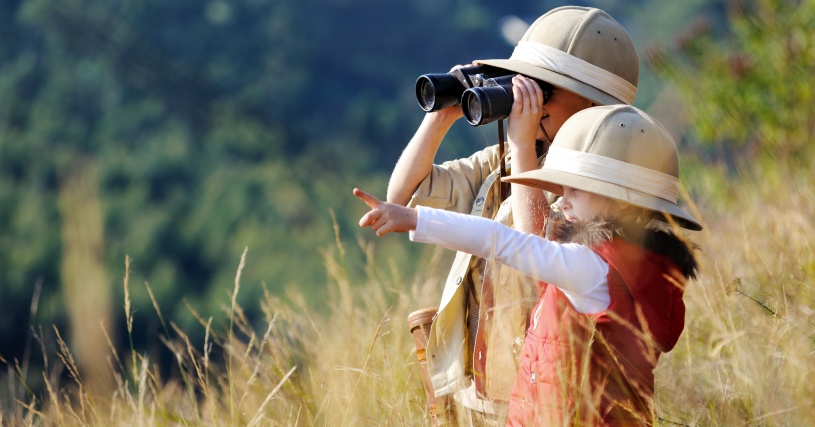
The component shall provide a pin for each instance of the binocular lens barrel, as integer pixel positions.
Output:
(438, 91)
(486, 104)
(484, 92)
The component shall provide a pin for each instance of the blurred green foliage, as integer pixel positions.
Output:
(218, 125)
(747, 88)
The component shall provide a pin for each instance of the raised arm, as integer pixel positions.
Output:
(529, 206)
(417, 158)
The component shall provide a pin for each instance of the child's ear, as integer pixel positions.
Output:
(632, 213)
(622, 208)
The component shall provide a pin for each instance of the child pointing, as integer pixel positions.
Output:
(612, 273)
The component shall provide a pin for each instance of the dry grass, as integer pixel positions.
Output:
(746, 357)
(352, 365)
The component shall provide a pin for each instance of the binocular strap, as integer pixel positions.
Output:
(503, 169)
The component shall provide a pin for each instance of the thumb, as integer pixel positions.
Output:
(369, 200)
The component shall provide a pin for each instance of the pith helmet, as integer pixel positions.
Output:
(616, 151)
(580, 49)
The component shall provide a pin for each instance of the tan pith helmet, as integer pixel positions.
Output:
(616, 151)
(580, 49)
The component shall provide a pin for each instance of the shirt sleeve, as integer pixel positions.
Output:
(575, 269)
(453, 185)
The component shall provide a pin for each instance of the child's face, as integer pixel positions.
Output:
(582, 205)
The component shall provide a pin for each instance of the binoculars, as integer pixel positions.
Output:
(484, 92)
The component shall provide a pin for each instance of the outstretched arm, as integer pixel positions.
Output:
(574, 268)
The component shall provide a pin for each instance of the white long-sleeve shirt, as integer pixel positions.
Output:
(575, 269)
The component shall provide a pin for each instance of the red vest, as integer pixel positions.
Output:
(597, 369)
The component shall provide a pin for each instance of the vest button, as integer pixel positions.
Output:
(458, 280)
(479, 201)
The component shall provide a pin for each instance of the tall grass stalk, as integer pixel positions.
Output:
(231, 324)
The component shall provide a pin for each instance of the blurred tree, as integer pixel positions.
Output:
(747, 88)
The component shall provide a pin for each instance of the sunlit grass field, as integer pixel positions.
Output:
(746, 357)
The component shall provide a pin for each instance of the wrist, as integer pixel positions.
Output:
(414, 218)
(442, 118)
(523, 151)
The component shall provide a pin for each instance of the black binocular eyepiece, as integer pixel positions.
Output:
(484, 92)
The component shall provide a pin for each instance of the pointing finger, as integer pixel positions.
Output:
(369, 200)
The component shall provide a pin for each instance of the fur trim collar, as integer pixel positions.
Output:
(656, 236)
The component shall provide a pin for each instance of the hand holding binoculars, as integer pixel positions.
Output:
(484, 92)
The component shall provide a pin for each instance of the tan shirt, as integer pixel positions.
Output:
(471, 185)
